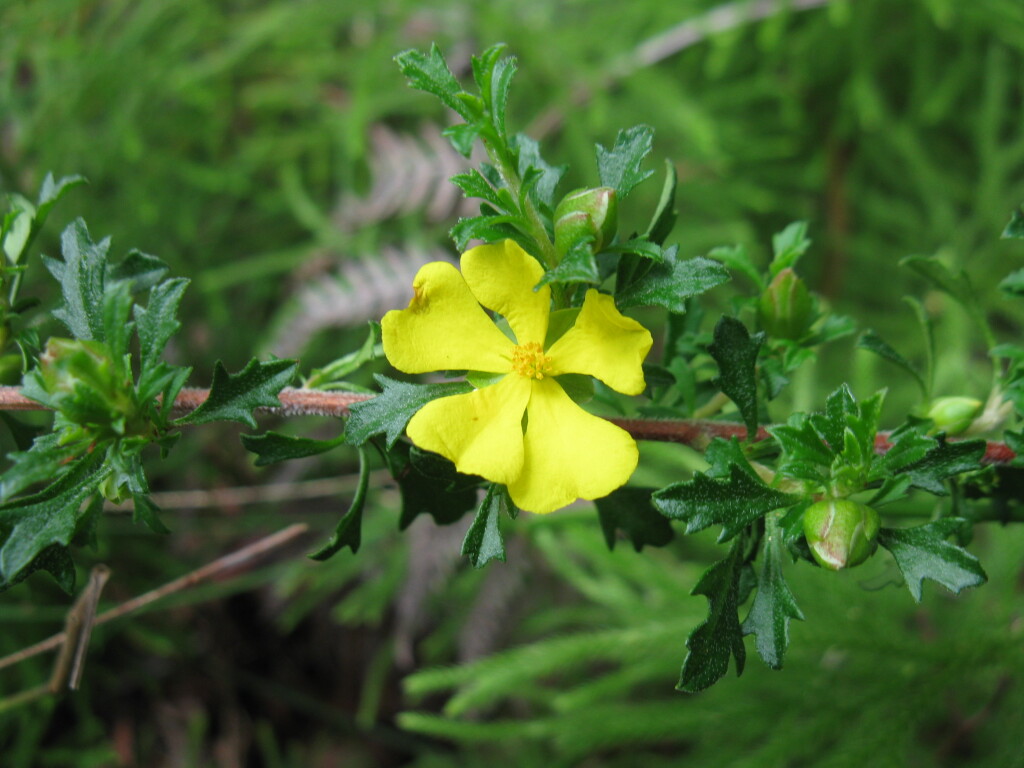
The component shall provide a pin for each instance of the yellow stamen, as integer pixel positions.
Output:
(529, 360)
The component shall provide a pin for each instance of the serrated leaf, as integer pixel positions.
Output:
(1015, 227)
(390, 411)
(872, 342)
(942, 462)
(501, 80)
(46, 458)
(665, 214)
(234, 396)
(577, 266)
(801, 442)
(272, 447)
(139, 269)
(671, 283)
(907, 446)
(55, 560)
(1013, 283)
(774, 604)
(788, 246)
(629, 510)
(48, 517)
(349, 531)
(473, 184)
(619, 167)
(147, 512)
(735, 351)
(542, 188)
(640, 246)
(733, 503)
(81, 275)
(483, 541)
(430, 73)
(157, 323)
(430, 484)
(736, 258)
(487, 228)
(923, 553)
(462, 137)
(720, 635)
(52, 191)
(723, 455)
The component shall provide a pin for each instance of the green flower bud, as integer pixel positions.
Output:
(785, 309)
(840, 532)
(584, 213)
(65, 363)
(953, 415)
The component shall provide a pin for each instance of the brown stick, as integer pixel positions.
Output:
(218, 566)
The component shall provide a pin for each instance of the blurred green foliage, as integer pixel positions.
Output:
(221, 136)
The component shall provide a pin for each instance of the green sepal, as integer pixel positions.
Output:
(348, 532)
(671, 283)
(774, 604)
(923, 553)
(483, 541)
(619, 167)
(629, 510)
(720, 635)
(272, 447)
(234, 396)
(733, 503)
(735, 351)
(390, 411)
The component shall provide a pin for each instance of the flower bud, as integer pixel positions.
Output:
(953, 415)
(841, 533)
(66, 362)
(785, 309)
(584, 213)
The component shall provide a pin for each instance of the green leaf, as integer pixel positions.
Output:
(233, 396)
(49, 517)
(906, 446)
(923, 553)
(272, 447)
(82, 277)
(774, 604)
(43, 461)
(1015, 227)
(147, 512)
(489, 228)
(671, 283)
(16, 230)
(430, 73)
(619, 167)
(140, 270)
(665, 214)
(334, 372)
(640, 246)
(577, 266)
(1013, 283)
(629, 510)
(349, 530)
(545, 177)
(473, 184)
(720, 635)
(462, 137)
(957, 285)
(56, 560)
(735, 351)
(872, 342)
(157, 323)
(483, 541)
(788, 246)
(943, 461)
(430, 484)
(736, 258)
(390, 411)
(733, 503)
(501, 80)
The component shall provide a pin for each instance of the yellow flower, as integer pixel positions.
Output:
(559, 452)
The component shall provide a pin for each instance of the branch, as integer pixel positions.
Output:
(696, 433)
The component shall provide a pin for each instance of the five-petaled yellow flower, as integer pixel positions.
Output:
(559, 452)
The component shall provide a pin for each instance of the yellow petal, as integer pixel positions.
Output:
(481, 431)
(605, 344)
(570, 453)
(502, 277)
(443, 328)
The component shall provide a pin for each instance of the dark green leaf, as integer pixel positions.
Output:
(430, 73)
(671, 283)
(272, 447)
(390, 411)
(1015, 227)
(923, 553)
(720, 635)
(734, 503)
(774, 604)
(140, 270)
(789, 245)
(501, 79)
(942, 462)
(1013, 283)
(81, 276)
(735, 351)
(735, 257)
(542, 187)
(146, 511)
(234, 396)
(723, 455)
(489, 228)
(462, 137)
(577, 266)
(157, 323)
(483, 541)
(349, 530)
(43, 461)
(56, 560)
(907, 446)
(473, 184)
(619, 167)
(49, 517)
(629, 510)
(872, 342)
(641, 247)
(430, 484)
(664, 218)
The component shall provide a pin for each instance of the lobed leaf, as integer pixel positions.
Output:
(774, 604)
(629, 510)
(430, 73)
(671, 283)
(619, 167)
(390, 411)
(735, 351)
(923, 553)
(234, 396)
(272, 447)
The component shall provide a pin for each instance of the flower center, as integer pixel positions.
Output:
(530, 361)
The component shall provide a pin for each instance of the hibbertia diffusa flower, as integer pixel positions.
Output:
(558, 452)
